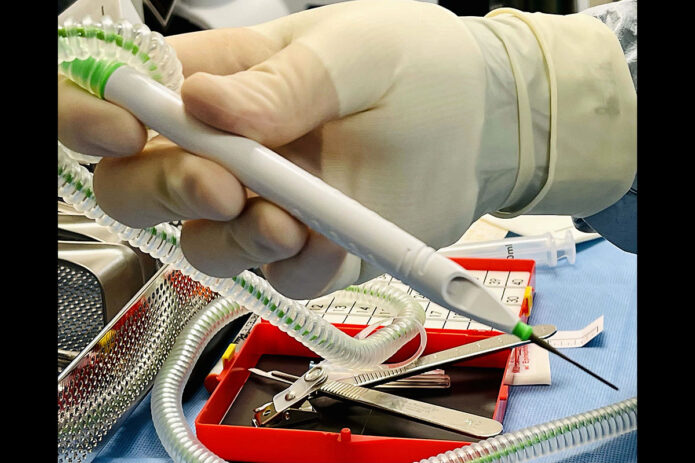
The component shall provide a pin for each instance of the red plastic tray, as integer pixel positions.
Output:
(248, 443)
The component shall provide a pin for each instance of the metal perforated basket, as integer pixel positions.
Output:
(80, 307)
(100, 388)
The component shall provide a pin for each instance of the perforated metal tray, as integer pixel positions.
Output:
(99, 389)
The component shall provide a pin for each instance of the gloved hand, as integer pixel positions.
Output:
(403, 106)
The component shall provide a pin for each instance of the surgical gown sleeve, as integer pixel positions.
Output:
(618, 222)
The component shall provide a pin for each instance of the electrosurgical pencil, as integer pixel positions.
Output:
(318, 205)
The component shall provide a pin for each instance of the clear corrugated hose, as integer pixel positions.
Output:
(548, 438)
(148, 52)
(167, 412)
(246, 291)
(252, 291)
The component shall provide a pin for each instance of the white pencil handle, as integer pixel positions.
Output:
(321, 207)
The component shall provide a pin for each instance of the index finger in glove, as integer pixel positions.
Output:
(95, 127)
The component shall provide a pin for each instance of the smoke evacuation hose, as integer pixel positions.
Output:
(93, 44)
(548, 438)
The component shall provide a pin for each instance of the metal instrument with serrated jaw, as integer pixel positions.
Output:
(317, 380)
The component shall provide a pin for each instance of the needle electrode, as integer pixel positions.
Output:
(545, 345)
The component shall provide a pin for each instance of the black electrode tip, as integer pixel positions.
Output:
(545, 345)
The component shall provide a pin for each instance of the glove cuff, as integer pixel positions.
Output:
(591, 103)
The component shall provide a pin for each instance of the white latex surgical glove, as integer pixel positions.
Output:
(428, 119)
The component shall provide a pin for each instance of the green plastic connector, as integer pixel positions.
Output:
(90, 74)
(522, 330)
